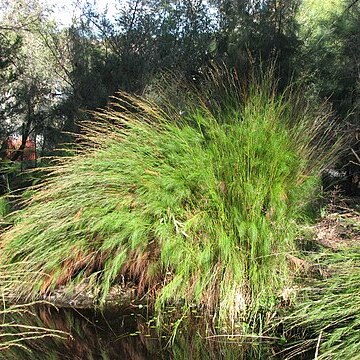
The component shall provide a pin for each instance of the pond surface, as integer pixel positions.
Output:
(113, 335)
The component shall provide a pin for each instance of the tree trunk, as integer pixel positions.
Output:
(26, 130)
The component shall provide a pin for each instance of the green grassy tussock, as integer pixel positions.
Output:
(198, 208)
(329, 311)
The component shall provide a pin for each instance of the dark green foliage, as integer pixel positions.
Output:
(328, 64)
(255, 32)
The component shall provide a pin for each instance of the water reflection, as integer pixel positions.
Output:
(114, 335)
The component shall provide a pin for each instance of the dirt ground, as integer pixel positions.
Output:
(339, 226)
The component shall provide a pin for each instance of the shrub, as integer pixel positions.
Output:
(197, 207)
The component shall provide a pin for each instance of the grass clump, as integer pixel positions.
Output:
(197, 207)
(329, 311)
(4, 208)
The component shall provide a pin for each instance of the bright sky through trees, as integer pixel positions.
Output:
(66, 10)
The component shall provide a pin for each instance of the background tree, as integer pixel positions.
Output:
(39, 83)
(254, 32)
(8, 48)
(328, 64)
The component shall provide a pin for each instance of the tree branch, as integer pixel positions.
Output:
(352, 4)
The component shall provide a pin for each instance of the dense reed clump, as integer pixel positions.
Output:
(329, 311)
(195, 206)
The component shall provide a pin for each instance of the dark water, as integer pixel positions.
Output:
(113, 335)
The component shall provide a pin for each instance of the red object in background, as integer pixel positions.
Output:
(14, 143)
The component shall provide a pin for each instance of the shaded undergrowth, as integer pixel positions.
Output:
(196, 207)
